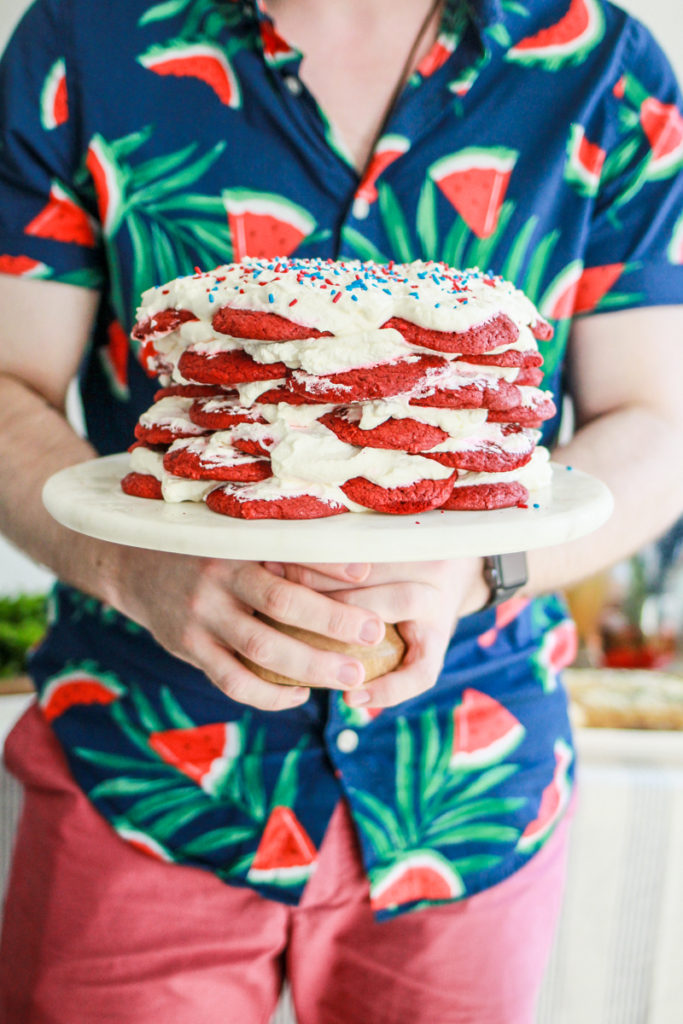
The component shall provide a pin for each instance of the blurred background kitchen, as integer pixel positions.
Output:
(617, 957)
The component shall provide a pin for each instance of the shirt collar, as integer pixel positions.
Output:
(485, 14)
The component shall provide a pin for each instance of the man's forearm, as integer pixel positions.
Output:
(639, 455)
(36, 441)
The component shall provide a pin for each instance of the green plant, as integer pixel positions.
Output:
(23, 621)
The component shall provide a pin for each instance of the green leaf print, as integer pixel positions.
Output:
(489, 779)
(536, 273)
(159, 12)
(150, 806)
(218, 839)
(395, 224)
(146, 713)
(481, 250)
(175, 714)
(119, 762)
(478, 863)
(126, 786)
(427, 224)
(164, 828)
(480, 833)
(361, 246)
(517, 252)
(405, 761)
(454, 245)
(286, 787)
(473, 809)
(145, 199)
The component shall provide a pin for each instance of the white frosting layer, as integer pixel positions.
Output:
(173, 488)
(346, 297)
(456, 422)
(172, 413)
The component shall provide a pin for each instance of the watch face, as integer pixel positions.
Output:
(512, 569)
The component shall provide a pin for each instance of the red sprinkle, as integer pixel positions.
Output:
(337, 297)
(294, 302)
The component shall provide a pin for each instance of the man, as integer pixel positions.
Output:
(563, 119)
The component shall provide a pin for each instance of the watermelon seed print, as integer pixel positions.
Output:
(439, 807)
(568, 41)
(54, 104)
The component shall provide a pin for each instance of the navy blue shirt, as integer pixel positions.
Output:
(542, 140)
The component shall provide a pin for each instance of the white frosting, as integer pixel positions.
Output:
(172, 413)
(346, 297)
(456, 422)
(317, 455)
(173, 488)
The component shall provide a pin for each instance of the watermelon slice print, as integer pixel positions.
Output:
(438, 55)
(263, 224)
(388, 149)
(557, 651)
(461, 85)
(203, 61)
(554, 801)
(475, 180)
(205, 753)
(584, 162)
(422, 875)
(285, 854)
(54, 104)
(506, 612)
(662, 125)
(675, 247)
(568, 41)
(75, 688)
(576, 290)
(63, 219)
(141, 841)
(115, 359)
(277, 51)
(485, 732)
(109, 184)
(23, 266)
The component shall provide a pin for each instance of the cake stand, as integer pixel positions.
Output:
(88, 498)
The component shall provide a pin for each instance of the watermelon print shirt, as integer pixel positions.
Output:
(540, 139)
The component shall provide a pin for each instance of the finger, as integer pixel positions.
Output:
(352, 573)
(297, 605)
(293, 658)
(417, 673)
(395, 602)
(241, 685)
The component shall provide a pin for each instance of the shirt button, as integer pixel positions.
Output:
(347, 741)
(293, 84)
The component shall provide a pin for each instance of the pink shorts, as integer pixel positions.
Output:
(96, 931)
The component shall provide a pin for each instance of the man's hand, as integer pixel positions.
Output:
(424, 599)
(200, 610)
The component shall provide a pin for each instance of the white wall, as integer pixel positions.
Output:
(664, 17)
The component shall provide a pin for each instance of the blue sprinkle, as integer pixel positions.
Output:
(271, 297)
(210, 297)
(536, 506)
(570, 467)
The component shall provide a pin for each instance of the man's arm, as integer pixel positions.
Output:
(626, 370)
(198, 608)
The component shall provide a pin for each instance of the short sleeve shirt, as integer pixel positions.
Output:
(541, 140)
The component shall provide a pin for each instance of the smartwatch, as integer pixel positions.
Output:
(505, 575)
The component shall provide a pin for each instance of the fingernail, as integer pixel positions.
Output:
(277, 568)
(355, 700)
(356, 570)
(371, 631)
(300, 694)
(350, 675)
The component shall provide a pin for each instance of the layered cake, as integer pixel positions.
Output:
(298, 389)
